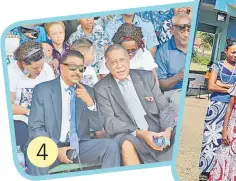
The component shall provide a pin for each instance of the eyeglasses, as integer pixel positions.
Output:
(183, 27)
(73, 67)
(132, 51)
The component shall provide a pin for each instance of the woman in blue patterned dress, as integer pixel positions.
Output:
(223, 76)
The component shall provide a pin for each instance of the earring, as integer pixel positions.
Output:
(26, 72)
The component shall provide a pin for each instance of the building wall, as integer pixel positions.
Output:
(209, 17)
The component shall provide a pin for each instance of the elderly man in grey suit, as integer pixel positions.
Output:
(64, 110)
(135, 110)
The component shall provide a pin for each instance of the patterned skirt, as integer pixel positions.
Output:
(212, 135)
(225, 164)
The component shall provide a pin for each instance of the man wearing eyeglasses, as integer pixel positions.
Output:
(64, 110)
(171, 57)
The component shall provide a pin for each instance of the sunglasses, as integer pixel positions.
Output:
(182, 28)
(73, 68)
(132, 51)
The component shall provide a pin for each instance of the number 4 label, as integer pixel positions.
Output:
(44, 151)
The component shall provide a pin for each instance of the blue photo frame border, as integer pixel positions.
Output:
(194, 4)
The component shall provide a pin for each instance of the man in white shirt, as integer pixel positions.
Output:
(59, 104)
(135, 110)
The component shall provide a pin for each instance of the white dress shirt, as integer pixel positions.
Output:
(65, 125)
(66, 97)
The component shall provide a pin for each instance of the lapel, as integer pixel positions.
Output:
(57, 101)
(140, 88)
(116, 93)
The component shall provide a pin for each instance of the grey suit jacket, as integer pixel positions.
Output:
(118, 119)
(46, 113)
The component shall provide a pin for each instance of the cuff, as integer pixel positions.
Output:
(134, 133)
(93, 107)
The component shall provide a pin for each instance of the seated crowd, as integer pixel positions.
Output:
(112, 76)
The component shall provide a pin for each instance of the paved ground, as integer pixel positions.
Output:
(191, 137)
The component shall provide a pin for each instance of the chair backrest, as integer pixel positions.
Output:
(199, 78)
(21, 133)
(206, 82)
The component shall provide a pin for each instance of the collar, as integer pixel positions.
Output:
(64, 86)
(65, 46)
(80, 30)
(135, 19)
(128, 78)
(171, 44)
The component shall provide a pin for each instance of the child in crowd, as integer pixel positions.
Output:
(48, 50)
(85, 47)
(56, 33)
(96, 34)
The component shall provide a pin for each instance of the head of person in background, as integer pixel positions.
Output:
(181, 25)
(180, 10)
(85, 47)
(86, 24)
(56, 32)
(47, 50)
(72, 67)
(130, 37)
(128, 17)
(30, 58)
(48, 56)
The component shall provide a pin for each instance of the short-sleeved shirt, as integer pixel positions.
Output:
(23, 86)
(161, 21)
(57, 55)
(100, 40)
(103, 20)
(170, 61)
(150, 38)
(225, 76)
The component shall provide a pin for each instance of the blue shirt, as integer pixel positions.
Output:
(226, 76)
(170, 61)
(147, 27)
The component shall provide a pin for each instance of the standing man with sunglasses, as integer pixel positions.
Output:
(171, 57)
(64, 110)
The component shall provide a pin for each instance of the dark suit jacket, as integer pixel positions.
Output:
(46, 113)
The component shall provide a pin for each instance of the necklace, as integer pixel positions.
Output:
(221, 71)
